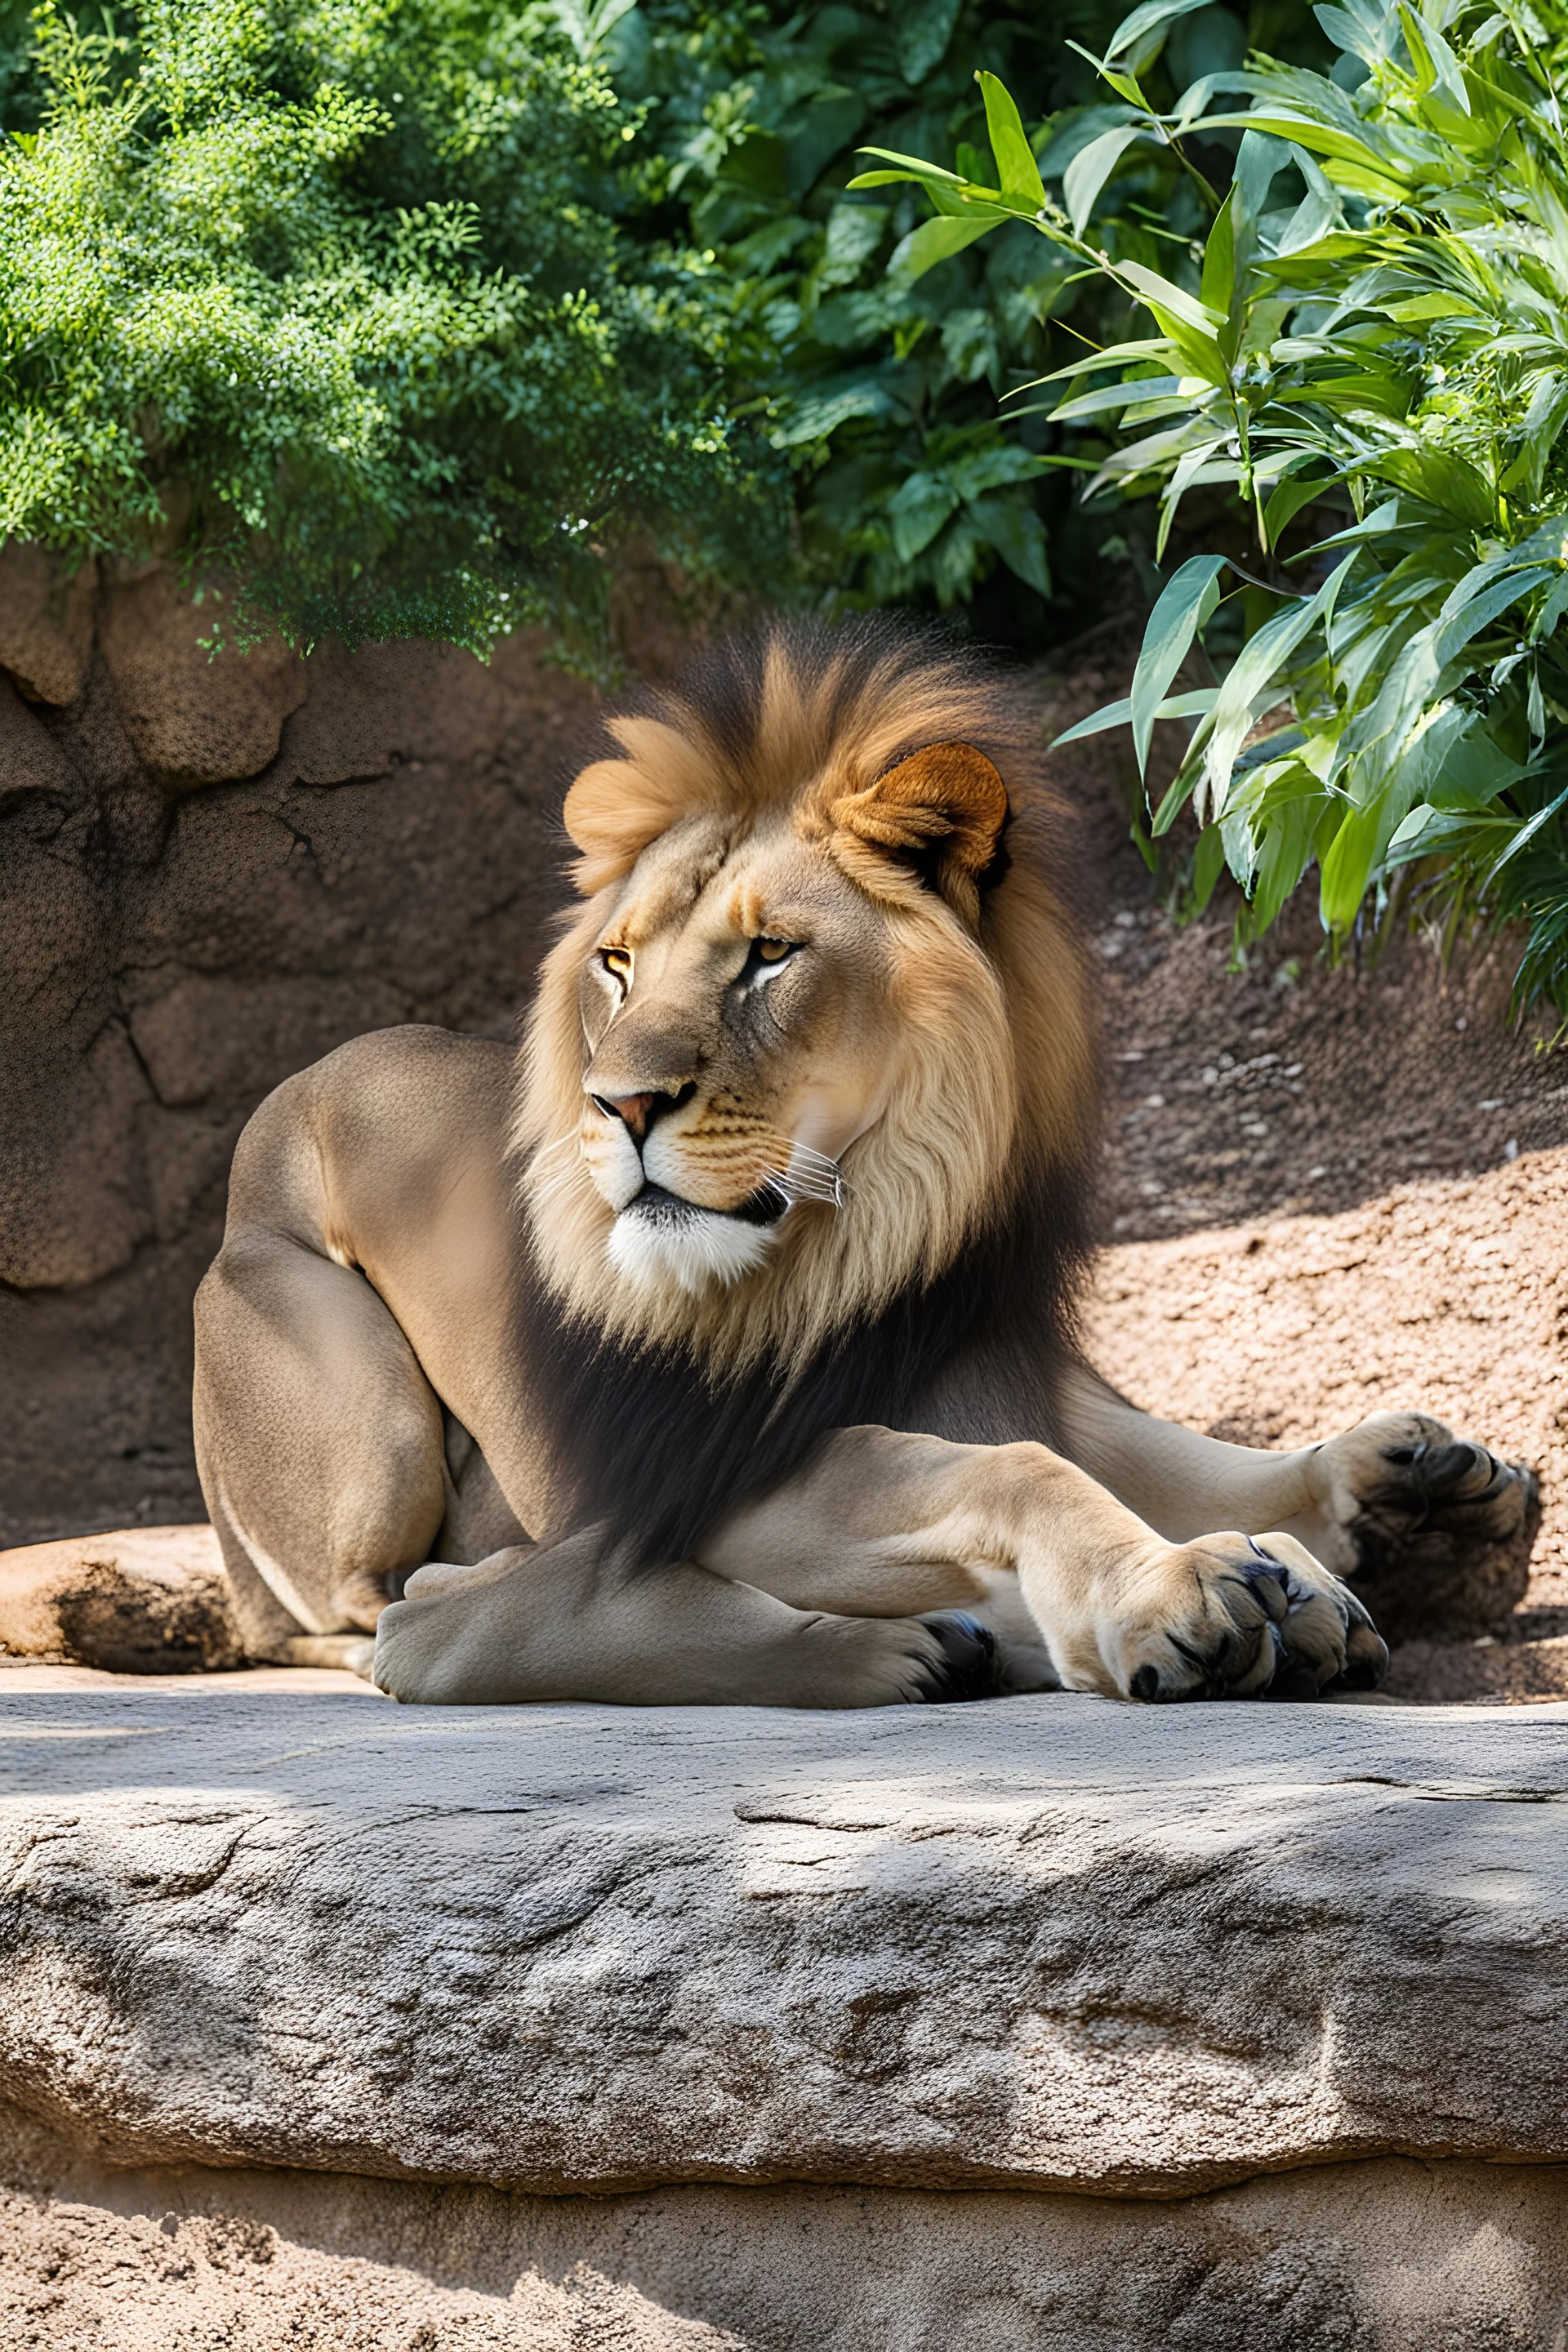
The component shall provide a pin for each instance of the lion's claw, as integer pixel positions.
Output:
(1435, 1529)
(970, 1662)
(1268, 1620)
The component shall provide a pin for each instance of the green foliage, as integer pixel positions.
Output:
(880, 383)
(327, 293)
(1380, 326)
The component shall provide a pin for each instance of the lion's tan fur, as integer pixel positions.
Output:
(851, 1417)
(994, 1057)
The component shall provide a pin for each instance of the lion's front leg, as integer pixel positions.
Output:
(883, 1517)
(1433, 1529)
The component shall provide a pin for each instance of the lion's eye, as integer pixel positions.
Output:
(618, 962)
(763, 958)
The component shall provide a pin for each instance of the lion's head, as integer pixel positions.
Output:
(822, 1023)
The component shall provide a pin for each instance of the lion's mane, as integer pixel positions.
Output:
(966, 1228)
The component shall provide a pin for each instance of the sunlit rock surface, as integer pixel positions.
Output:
(1041, 1943)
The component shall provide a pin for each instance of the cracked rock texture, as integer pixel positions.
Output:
(211, 872)
(1044, 1944)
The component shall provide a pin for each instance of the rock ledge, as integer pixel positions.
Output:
(1036, 1944)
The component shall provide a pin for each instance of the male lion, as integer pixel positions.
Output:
(724, 1351)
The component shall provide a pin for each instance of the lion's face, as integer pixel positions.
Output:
(741, 1009)
(810, 1024)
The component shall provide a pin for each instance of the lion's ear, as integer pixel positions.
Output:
(616, 808)
(938, 815)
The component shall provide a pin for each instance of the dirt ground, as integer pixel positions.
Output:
(1327, 1191)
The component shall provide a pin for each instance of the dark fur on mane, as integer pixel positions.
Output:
(663, 1448)
(662, 1452)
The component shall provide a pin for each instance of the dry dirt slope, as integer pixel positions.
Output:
(1329, 1191)
(1452, 1294)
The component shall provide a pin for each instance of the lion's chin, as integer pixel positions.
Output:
(658, 1240)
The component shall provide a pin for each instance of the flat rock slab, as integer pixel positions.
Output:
(1043, 1943)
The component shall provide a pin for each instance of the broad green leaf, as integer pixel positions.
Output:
(1077, 130)
(1367, 29)
(934, 240)
(1016, 532)
(1437, 67)
(1159, 294)
(1286, 502)
(1147, 19)
(1462, 620)
(1255, 672)
(925, 30)
(1088, 171)
(946, 190)
(1219, 284)
(1369, 173)
(1260, 161)
(1528, 831)
(917, 512)
(1016, 162)
(832, 402)
(1551, 612)
(1411, 826)
(1195, 464)
(1113, 396)
(1283, 849)
(1186, 602)
(1208, 864)
(1428, 306)
(1118, 714)
(1150, 346)
(988, 466)
(1346, 869)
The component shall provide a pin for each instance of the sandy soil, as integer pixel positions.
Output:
(1330, 1191)
(1450, 1294)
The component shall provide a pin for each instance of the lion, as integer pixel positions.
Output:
(720, 1344)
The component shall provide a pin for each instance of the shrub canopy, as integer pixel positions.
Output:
(331, 293)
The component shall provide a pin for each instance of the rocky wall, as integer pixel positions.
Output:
(211, 872)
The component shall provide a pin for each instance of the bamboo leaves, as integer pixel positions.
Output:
(1387, 346)
(1087, 172)
(1187, 601)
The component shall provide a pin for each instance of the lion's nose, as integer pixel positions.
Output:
(638, 1112)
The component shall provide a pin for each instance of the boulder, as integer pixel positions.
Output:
(144, 1600)
(1039, 1944)
(46, 621)
(193, 717)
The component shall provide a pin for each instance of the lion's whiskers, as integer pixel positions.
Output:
(807, 1175)
(550, 1150)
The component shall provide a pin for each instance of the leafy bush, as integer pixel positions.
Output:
(1391, 338)
(328, 293)
(880, 385)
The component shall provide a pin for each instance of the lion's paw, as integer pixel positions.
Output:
(1235, 1616)
(1435, 1529)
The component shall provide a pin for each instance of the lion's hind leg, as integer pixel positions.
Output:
(566, 1621)
(319, 1442)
